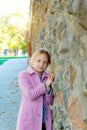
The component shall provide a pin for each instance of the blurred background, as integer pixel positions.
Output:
(14, 16)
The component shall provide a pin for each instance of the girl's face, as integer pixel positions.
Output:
(40, 63)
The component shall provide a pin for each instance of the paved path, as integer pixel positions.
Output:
(10, 93)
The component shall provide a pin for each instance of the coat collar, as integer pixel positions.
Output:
(32, 71)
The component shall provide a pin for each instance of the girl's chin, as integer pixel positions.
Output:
(40, 72)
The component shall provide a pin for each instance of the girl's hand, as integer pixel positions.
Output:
(51, 76)
(50, 80)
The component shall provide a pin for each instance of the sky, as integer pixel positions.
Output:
(11, 6)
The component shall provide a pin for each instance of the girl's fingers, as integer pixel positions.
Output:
(51, 76)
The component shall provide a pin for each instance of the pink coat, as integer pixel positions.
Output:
(30, 111)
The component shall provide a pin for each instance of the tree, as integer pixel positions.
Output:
(11, 33)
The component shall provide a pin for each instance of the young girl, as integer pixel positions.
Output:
(37, 94)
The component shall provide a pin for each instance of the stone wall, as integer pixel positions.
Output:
(61, 27)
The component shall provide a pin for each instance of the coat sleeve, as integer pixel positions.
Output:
(27, 88)
(49, 98)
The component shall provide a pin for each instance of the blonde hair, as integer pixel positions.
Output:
(39, 52)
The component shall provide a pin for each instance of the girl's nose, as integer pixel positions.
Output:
(41, 63)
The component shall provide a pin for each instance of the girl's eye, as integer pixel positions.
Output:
(38, 60)
(45, 63)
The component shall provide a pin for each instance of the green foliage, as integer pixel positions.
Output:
(12, 34)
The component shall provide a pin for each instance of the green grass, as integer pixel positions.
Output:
(2, 61)
(6, 58)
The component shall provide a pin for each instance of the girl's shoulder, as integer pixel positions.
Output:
(29, 70)
(24, 72)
